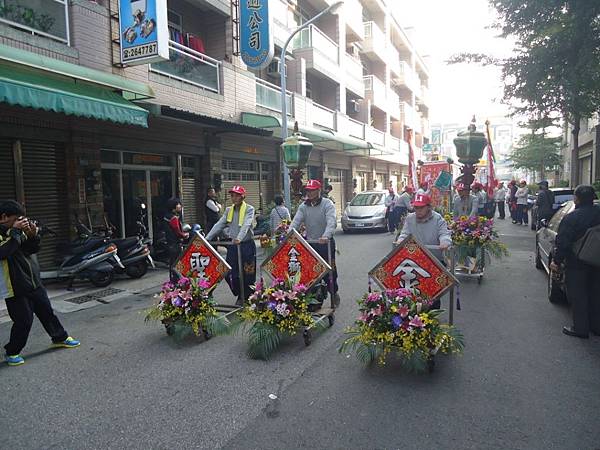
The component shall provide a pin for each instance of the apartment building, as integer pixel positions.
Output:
(82, 134)
(588, 155)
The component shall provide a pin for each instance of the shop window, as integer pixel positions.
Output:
(48, 18)
(144, 159)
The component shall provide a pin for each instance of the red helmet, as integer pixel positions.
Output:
(409, 189)
(422, 200)
(238, 190)
(461, 187)
(313, 185)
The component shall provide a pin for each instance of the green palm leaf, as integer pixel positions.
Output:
(263, 340)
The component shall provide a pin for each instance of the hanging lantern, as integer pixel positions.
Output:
(296, 150)
(470, 144)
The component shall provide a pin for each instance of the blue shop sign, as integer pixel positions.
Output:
(256, 39)
(144, 32)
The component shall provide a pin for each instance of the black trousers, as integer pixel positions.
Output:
(21, 310)
(321, 249)
(501, 212)
(248, 252)
(583, 286)
(522, 214)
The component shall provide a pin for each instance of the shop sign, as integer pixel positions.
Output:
(144, 32)
(410, 265)
(295, 258)
(200, 260)
(256, 39)
(427, 148)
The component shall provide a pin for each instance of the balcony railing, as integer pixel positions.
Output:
(375, 136)
(323, 116)
(354, 68)
(48, 18)
(372, 31)
(269, 96)
(191, 67)
(314, 38)
(356, 129)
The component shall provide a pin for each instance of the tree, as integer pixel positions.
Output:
(555, 69)
(536, 151)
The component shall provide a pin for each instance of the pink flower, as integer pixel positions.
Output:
(300, 288)
(403, 310)
(203, 284)
(416, 322)
(377, 311)
(279, 295)
(373, 297)
(363, 317)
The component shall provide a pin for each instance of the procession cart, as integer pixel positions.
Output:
(470, 263)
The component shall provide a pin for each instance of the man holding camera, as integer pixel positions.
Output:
(21, 285)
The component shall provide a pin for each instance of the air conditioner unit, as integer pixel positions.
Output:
(354, 106)
(273, 69)
(355, 51)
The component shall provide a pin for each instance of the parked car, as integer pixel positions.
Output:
(365, 211)
(544, 247)
(561, 196)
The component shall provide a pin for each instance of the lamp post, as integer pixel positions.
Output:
(469, 149)
(284, 120)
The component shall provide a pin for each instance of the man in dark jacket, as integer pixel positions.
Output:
(582, 280)
(174, 234)
(544, 202)
(20, 283)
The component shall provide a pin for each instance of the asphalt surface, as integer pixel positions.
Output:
(521, 383)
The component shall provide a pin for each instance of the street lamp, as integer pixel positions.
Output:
(284, 120)
(469, 149)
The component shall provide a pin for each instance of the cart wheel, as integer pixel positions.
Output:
(431, 364)
(170, 329)
(331, 319)
(206, 334)
(307, 337)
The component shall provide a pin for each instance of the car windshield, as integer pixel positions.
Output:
(367, 200)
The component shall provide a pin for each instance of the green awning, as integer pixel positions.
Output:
(33, 88)
(132, 90)
(326, 139)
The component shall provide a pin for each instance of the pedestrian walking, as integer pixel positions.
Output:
(391, 210)
(582, 280)
(21, 285)
(500, 198)
(174, 234)
(212, 208)
(317, 214)
(464, 204)
(404, 203)
(521, 195)
(477, 191)
(237, 220)
(512, 200)
(545, 203)
(279, 214)
(327, 193)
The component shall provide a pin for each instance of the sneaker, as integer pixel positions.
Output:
(67, 343)
(14, 360)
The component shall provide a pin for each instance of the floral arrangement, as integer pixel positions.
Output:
(270, 242)
(275, 311)
(400, 321)
(188, 306)
(475, 237)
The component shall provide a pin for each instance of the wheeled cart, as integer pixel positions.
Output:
(475, 268)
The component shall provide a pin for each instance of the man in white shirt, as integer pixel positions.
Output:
(500, 198)
(212, 209)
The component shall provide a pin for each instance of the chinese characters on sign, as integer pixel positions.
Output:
(200, 260)
(294, 257)
(412, 266)
(144, 32)
(429, 173)
(256, 43)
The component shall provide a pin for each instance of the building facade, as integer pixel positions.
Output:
(82, 135)
(588, 155)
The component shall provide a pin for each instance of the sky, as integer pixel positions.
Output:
(442, 28)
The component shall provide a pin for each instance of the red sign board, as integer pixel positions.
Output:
(429, 172)
(295, 258)
(200, 260)
(410, 265)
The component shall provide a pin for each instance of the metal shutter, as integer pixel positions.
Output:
(267, 183)
(46, 196)
(189, 200)
(252, 192)
(7, 171)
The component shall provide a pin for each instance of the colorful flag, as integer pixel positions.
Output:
(412, 167)
(491, 179)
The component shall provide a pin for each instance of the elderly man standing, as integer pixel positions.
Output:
(238, 220)
(464, 204)
(317, 214)
(499, 198)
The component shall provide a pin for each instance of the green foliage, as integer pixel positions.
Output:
(27, 16)
(536, 151)
(263, 339)
(563, 183)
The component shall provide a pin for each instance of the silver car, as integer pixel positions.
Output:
(365, 211)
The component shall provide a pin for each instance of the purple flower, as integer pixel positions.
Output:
(272, 305)
(203, 284)
(183, 282)
(396, 322)
(300, 288)
(178, 302)
(167, 286)
(373, 297)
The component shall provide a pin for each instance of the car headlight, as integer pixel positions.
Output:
(379, 215)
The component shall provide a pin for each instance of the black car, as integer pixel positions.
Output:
(561, 196)
(544, 247)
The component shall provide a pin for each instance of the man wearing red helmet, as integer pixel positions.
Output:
(238, 219)
(464, 204)
(317, 214)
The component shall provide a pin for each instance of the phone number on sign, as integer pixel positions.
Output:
(140, 50)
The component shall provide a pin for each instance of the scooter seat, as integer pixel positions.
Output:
(78, 247)
(126, 244)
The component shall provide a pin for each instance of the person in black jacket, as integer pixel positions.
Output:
(20, 283)
(544, 202)
(582, 280)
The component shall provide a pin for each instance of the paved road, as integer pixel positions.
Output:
(520, 384)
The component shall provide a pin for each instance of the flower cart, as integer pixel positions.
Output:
(403, 318)
(187, 306)
(292, 302)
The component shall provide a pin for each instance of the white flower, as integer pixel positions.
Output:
(282, 310)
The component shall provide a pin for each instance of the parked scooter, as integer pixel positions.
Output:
(91, 258)
(159, 247)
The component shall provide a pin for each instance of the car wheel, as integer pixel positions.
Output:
(346, 231)
(555, 293)
(538, 257)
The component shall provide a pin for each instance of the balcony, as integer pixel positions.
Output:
(423, 95)
(354, 78)
(355, 128)
(190, 67)
(394, 105)
(49, 18)
(409, 116)
(320, 52)
(375, 136)
(373, 46)
(323, 117)
(406, 78)
(354, 24)
(269, 96)
(375, 91)
(393, 61)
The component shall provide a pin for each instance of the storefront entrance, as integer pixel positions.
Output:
(127, 185)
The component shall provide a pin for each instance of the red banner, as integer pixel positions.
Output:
(295, 258)
(412, 266)
(429, 172)
(200, 260)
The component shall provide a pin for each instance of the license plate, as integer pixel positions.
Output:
(118, 260)
(359, 225)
